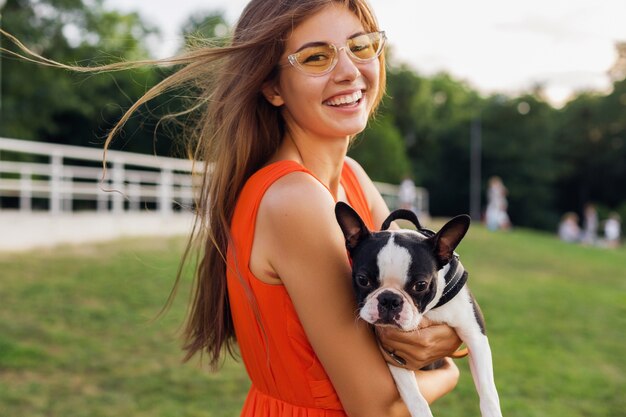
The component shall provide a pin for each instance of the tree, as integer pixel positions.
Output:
(42, 103)
(518, 145)
(432, 115)
(592, 143)
(380, 150)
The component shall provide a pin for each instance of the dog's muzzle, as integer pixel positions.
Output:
(389, 306)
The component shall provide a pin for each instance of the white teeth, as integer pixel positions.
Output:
(345, 99)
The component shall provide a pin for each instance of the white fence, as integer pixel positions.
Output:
(63, 179)
(390, 195)
(57, 178)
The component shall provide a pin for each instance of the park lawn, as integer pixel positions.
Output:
(77, 335)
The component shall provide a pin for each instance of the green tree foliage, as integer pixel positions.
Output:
(381, 149)
(41, 103)
(551, 160)
(592, 143)
(518, 146)
(432, 115)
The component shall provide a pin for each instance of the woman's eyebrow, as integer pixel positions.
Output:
(320, 43)
(311, 44)
(357, 34)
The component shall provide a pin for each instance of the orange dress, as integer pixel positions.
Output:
(288, 379)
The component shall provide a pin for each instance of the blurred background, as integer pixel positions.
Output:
(534, 94)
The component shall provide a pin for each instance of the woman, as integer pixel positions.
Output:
(288, 275)
(279, 108)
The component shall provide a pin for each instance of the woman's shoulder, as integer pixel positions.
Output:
(294, 211)
(295, 192)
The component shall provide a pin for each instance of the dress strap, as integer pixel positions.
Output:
(356, 196)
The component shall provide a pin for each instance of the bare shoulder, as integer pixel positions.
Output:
(297, 192)
(294, 212)
(295, 206)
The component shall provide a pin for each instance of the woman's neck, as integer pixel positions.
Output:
(324, 157)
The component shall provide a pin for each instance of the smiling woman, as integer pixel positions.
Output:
(277, 109)
(288, 308)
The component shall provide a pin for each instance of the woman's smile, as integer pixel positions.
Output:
(345, 99)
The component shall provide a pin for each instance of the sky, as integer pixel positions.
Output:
(494, 45)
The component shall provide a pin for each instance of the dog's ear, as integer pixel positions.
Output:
(353, 228)
(401, 214)
(448, 238)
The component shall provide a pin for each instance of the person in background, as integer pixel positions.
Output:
(407, 194)
(496, 216)
(569, 230)
(613, 230)
(590, 225)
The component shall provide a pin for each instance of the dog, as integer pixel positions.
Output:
(403, 275)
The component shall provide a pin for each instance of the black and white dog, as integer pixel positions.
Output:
(403, 275)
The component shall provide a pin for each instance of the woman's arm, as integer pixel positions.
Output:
(438, 382)
(299, 238)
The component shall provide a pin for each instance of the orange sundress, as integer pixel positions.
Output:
(288, 379)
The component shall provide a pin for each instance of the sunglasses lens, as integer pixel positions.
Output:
(316, 59)
(366, 47)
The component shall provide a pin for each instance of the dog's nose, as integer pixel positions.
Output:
(389, 304)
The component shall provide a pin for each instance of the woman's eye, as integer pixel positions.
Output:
(359, 47)
(363, 281)
(315, 58)
(420, 286)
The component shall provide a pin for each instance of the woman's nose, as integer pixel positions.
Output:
(346, 69)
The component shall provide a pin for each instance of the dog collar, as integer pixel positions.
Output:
(456, 277)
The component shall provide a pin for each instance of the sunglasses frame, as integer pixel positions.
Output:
(293, 58)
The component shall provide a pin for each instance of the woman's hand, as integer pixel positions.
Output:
(430, 342)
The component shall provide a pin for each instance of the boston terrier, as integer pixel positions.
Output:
(403, 275)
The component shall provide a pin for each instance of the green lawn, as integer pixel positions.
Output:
(77, 336)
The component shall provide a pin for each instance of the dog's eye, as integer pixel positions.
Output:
(420, 286)
(363, 281)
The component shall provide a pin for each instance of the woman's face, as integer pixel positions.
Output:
(336, 104)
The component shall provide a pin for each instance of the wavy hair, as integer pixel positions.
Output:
(237, 131)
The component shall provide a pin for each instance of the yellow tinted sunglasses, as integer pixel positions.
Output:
(317, 59)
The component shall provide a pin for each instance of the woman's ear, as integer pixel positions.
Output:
(271, 93)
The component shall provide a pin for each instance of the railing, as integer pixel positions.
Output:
(390, 195)
(61, 178)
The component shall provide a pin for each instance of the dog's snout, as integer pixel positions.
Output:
(389, 304)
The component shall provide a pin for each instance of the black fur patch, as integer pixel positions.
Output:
(363, 263)
(478, 314)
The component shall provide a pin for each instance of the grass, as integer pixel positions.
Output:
(77, 336)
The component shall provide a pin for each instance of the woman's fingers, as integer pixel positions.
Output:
(392, 357)
(420, 347)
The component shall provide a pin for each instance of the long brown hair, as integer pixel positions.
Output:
(237, 132)
(245, 130)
